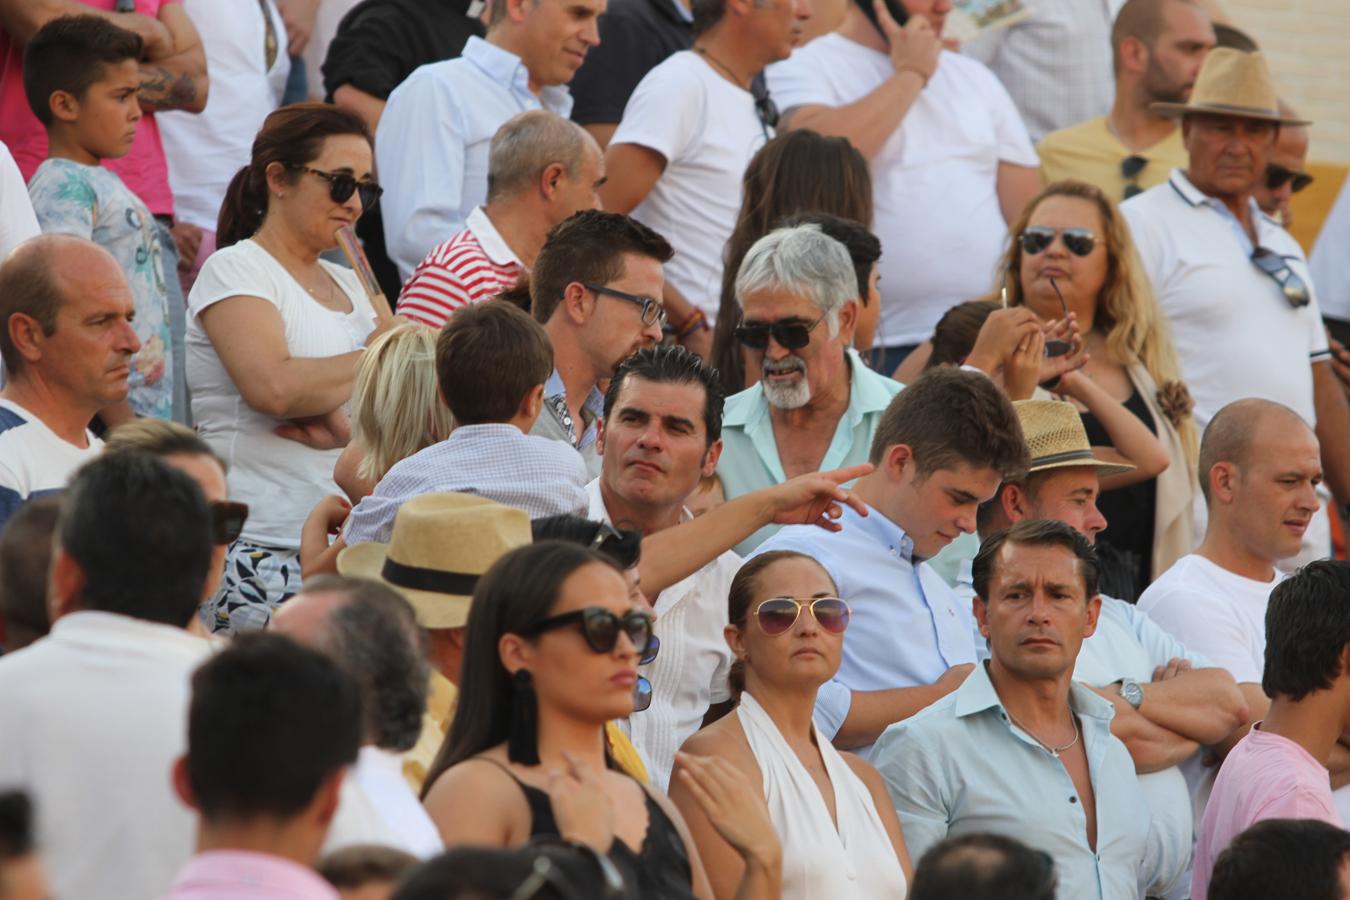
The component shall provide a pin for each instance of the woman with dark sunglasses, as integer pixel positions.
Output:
(1072, 242)
(274, 337)
(550, 656)
(840, 834)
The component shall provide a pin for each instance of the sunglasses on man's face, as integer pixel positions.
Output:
(601, 628)
(1278, 176)
(777, 615)
(227, 521)
(1277, 267)
(1038, 238)
(791, 334)
(341, 186)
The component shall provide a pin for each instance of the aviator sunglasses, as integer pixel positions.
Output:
(791, 334)
(1277, 267)
(341, 186)
(777, 615)
(1038, 238)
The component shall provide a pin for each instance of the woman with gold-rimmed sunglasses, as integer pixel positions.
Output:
(840, 835)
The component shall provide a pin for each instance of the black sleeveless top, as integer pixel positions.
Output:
(660, 872)
(1126, 544)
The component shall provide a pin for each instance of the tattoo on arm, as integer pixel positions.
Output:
(163, 89)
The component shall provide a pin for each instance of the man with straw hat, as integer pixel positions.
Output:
(1168, 701)
(441, 545)
(1234, 285)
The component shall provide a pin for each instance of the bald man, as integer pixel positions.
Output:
(1286, 171)
(1259, 467)
(67, 344)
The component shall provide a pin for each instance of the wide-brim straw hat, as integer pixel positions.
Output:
(1232, 83)
(441, 545)
(1056, 438)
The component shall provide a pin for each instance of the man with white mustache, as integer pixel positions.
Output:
(817, 405)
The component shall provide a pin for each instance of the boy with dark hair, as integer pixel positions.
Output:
(596, 287)
(25, 557)
(82, 78)
(272, 728)
(491, 362)
(1279, 770)
(941, 448)
(1301, 858)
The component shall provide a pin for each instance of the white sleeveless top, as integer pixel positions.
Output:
(819, 862)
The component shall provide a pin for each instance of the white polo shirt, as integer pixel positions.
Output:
(690, 670)
(1236, 334)
(1331, 259)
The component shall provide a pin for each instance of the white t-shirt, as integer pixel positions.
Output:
(281, 480)
(17, 221)
(205, 150)
(934, 181)
(34, 460)
(707, 130)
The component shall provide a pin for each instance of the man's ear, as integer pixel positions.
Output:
(1223, 479)
(27, 336)
(65, 584)
(898, 459)
(981, 610)
(1015, 503)
(575, 304)
(710, 459)
(550, 178)
(1094, 611)
(532, 403)
(1134, 54)
(327, 798)
(848, 320)
(600, 436)
(64, 106)
(182, 784)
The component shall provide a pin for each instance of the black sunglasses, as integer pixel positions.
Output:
(341, 186)
(602, 628)
(1130, 167)
(765, 108)
(227, 520)
(1276, 176)
(1277, 267)
(1038, 238)
(653, 313)
(623, 547)
(791, 334)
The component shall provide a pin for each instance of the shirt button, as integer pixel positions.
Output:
(1073, 799)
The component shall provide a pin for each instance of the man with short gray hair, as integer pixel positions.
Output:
(816, 405)
(541, 169)
(371, 631)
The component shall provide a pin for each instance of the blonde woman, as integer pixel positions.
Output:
(396, 411)
(1071, 241)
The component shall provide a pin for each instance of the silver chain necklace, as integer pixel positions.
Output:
(1054, 751)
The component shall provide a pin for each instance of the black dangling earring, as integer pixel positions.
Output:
(522, 742)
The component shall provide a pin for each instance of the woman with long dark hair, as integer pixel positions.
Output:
(796, 172)
(274, 339)
(840, 834)
(550, 656)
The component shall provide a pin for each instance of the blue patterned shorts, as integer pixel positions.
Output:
(257, 580)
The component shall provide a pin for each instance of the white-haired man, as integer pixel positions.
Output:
(816, 406)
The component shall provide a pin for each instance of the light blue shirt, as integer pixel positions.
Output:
(907, 626)
(1129, 645)
(961, 766)
(750, 452)
(433, 140)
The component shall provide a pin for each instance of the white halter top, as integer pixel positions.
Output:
(819, 862)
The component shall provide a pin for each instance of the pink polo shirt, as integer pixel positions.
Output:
(143, 169)
(246, 875)
(1265, 776)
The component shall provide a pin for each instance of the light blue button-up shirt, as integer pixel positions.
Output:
(907, 627)
(750, 453)
(961, 766)
(433, 139)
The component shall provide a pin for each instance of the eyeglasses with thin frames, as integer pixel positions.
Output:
(653, 313)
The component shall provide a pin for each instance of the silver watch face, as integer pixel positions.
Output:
(1133, 693)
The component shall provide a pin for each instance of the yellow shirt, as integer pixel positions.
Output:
(441, 701)
(1089, 152)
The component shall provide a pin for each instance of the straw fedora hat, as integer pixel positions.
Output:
(1232, 83)
(1056, 438)
(441, 544)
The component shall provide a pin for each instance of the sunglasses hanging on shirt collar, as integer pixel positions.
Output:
(1130, 167)
(1293, 287)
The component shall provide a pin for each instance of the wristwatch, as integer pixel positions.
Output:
(1132, 692)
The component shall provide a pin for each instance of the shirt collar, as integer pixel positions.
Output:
(594, 403)
(1196, 197)
(599, 513)
(881, 529)
(976, 695)
(504, 67)
(263, 873)
(103, 630)
(490, 239)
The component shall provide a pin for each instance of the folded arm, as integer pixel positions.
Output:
(177, 81)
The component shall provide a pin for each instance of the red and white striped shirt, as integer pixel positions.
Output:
(472, 267)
